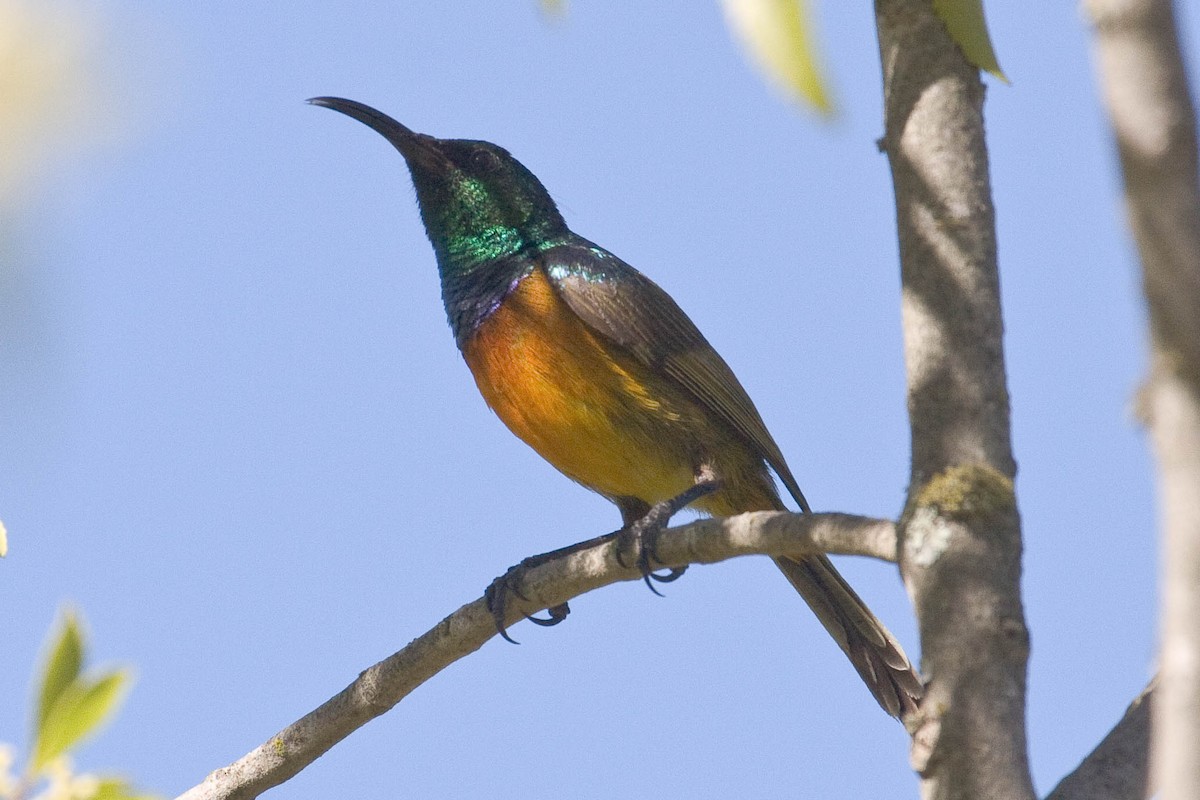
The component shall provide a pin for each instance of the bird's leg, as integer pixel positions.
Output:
(640, 533)
(643, 524)
(498, 590)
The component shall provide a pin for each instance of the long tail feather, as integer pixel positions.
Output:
(872, 650)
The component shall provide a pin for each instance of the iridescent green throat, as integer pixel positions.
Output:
(487, 217)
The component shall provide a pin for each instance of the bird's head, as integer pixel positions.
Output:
(478, 203)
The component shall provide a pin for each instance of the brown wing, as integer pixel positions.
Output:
(628, 309)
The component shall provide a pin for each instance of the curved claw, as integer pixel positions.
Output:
(649, 555)
(556, 615)
(642, 534)
(673, 574)
(494, 595)
(647, 576)
(647, 535)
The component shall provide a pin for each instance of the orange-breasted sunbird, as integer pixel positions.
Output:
(597, 369)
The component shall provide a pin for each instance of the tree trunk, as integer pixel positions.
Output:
(1142, 77)
(961, 552)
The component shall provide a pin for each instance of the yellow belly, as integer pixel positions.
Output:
(590, 412)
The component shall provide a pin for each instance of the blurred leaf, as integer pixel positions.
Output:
(81, 708)
(62, 666)
(3, 540)
(555, 7)
(119, 789)
(56, 90)
(780, 35)
(966, 25)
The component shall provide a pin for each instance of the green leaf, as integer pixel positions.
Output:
(967, 27)
(62, 666)
(81, 708)
(112, 788)
(780, 36)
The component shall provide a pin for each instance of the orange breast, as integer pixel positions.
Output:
(595, 414)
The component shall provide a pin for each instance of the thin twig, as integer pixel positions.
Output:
(382, 686)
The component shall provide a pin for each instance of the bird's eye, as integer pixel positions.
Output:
(485, 161)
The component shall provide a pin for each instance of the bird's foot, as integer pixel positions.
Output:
(641, 536)
(498, 593)
(509, 584)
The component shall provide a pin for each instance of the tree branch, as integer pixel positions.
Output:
(382, 686)
(1141, 72)
(1119, 767)
(961, 533)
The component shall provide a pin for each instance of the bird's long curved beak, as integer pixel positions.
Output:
(415, 147)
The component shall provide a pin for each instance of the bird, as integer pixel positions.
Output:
(598, 369)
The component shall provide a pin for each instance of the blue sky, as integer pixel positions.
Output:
(238, 435)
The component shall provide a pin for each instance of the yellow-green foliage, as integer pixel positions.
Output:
(967, 27)
(780, 36)
(71, 705)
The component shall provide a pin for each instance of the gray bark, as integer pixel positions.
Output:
(961, 552)
(1119, 767)
(385, 684)
(1144, 83)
